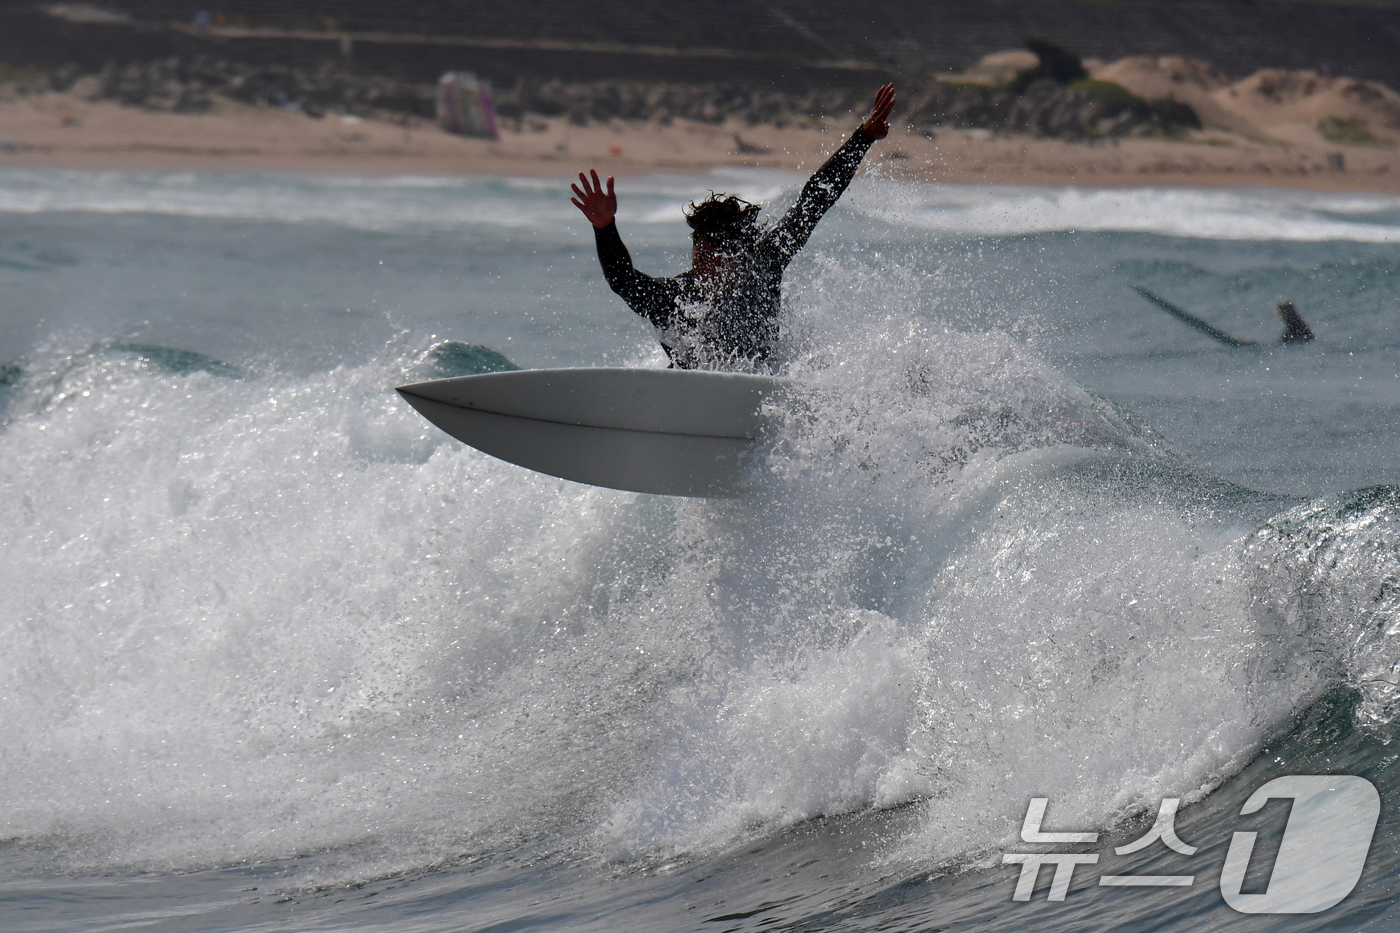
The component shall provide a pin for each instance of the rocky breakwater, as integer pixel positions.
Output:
(1043, 99)
(602, 101)
(191, 85)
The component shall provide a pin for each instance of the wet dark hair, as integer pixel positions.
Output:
(726, 220)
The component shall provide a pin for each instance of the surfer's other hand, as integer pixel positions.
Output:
(877, 125)
(600, 208)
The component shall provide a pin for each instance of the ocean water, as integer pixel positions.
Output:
(277, 655)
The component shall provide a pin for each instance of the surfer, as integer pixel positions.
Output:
(1295, 329)
(724, 311)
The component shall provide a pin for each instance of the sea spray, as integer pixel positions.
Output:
(238, 636)
(265, 618)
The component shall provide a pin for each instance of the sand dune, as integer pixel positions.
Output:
(1301, 107)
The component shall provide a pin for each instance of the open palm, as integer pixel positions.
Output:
(599, 207)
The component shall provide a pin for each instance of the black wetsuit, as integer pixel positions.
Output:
(736, 323)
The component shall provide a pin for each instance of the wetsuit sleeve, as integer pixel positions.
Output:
(820, 192)
(652, 298)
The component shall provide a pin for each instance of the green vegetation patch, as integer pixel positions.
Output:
(10, 74)
(1107, 92)
(1351, 132)
(1174, 118)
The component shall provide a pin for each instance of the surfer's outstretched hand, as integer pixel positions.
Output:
(598, 207)
(877, 125)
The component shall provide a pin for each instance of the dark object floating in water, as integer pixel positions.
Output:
(175, 362)
(453, 358)
(1187, 317)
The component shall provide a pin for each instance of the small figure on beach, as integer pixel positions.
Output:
(723, 312)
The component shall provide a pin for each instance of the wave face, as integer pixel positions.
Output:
(259, 619)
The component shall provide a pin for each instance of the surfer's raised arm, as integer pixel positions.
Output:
(651, 297)
(831, 180)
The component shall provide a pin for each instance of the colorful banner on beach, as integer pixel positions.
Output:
(464, 105)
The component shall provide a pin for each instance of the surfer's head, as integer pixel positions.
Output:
(725, 222)
(723, 229)
(1295, 329)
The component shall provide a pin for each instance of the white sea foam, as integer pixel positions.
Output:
(945, 598)
(246, 619)
(412, 203)
(1211, 214)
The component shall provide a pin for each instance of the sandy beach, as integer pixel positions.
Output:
(1273, 129)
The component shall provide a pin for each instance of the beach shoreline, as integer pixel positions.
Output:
(61, 131)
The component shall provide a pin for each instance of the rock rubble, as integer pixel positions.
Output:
(1084, 110)
(1037, 101)
(190, 85)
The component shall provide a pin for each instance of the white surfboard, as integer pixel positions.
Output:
(669, 431)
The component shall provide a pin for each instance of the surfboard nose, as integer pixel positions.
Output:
(423, 405)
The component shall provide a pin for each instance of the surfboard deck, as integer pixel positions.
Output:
(672, 432)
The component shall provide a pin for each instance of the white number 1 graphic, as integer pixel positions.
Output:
(1324, 846)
